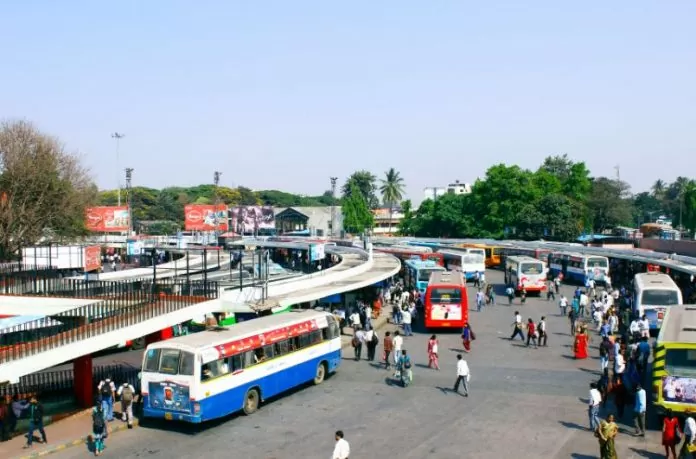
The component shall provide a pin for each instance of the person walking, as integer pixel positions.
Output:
(541, 329)
(398, 344)
(432, 353)
(357, 342)
(341, 448)
(639, 410)
(689, 446)
(595, 400)
(98, 428)
(467, 337)
(126, 393)
(531, 332)
(406, 319)
(463, 375)
(36, 413)
(671, 434)
(517, 324)
(371, 340)
(388, 349)
(107, 392)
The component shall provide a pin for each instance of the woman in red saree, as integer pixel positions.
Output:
(581, 344)
(467, 337)
(432, 353)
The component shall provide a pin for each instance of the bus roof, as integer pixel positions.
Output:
(447, 278)
(653, 280)
(575, 255)
(523, 259)
(218, 336)
(679, 325)
(422, 264)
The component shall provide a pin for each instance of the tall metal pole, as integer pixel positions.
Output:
(118, 136)
(333, 205)
(129, 202)
(216, 201)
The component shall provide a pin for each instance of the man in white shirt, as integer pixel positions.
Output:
(595, 400)
(126, 392)
(398, 343)
(634, 328)
(690, 431)
(358, 341)
(563, 304)
(644, 327)
(463, 375)
(517, 324)
(584, 302)
(406, 320)
(355, 321)
(342, 448)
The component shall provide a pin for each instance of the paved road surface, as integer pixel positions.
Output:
(524, 403)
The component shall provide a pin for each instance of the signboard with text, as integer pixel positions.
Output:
(206, 217)
(107, 219)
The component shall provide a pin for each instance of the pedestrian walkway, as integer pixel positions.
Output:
(74, 431)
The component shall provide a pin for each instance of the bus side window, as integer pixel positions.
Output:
(293, 344)
(315, 337)
(236, 362)
(268, 352)
(280, 348)
(304, 341)
(249, 359)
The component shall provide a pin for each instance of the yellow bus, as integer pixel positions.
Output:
(493, 253)
(674, 365)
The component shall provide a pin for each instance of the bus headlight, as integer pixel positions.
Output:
(196, 408)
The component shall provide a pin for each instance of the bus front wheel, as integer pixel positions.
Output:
(251, 401)
(321, 374)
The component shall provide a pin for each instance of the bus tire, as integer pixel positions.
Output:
(251, 401)
(320, 374)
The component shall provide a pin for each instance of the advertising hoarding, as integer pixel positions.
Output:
(92, 258)
(107, 219)
(205, 217)
(249, 219)
(317, 252)
(679, 390)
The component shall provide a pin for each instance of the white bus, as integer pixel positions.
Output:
(468, 261)
(214, 373)
(654, 293)
(526, 272)
(578, 267)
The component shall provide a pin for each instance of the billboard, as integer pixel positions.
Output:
(92, 258)
(107, 219)
(679, 390)
(250, 219)
(205, 217)
(317, 252)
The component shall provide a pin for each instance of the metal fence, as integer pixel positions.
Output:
(122, 304)
(60, 384)
(17, 278)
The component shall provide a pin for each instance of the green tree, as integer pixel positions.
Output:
(406, 223)
(609, 205)
(365, 183)
(357, 216)
(658, 189)
(689, 207)
(447, 216)
(646, 207)
(392, 190)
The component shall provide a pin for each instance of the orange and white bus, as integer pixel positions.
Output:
(446, 304)
(526, 272)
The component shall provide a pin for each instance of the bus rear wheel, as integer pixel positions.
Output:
(251, 401)
(320, 374)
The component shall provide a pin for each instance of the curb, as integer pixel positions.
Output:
(81, 441)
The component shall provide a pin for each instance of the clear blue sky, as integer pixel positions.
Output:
(285, 94)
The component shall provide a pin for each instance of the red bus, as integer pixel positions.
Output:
(408, 254)
(446, 303)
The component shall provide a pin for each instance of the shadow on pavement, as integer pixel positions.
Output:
(572, 425)
(647, 454)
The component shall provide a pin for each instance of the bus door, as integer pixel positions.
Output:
(564, 267)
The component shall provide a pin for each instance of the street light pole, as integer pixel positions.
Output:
(129, 179)
(333, 205)
(216, 201)
(118, 136)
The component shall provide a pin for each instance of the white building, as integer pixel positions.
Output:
(455, 188)
(386, 224)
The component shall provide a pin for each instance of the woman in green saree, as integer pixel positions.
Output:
(606, 432)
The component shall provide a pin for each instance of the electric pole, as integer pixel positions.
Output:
(333, 205)
(216, 201)
(129, 202)
(118, 136)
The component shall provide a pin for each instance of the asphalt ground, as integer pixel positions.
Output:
(524, 403)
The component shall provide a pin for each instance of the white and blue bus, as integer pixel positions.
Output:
(654, 293)
(579, 268)
(468, 261)
(417, 273)
(220, 371)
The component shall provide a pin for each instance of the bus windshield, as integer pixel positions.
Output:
(681, 362)
(531, 268)
(659, 298)
(169, 362)
(424, 274)
(597, 262)
(445, 295)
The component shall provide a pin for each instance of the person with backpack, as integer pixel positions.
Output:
(371, 341)
(36, 413)
(107, 389)
(357, 342)
(98, 428)
(126, 393)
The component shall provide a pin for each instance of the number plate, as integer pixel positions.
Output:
(168, 416)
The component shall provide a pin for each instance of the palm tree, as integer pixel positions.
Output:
(658, 188)
(392, 190)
